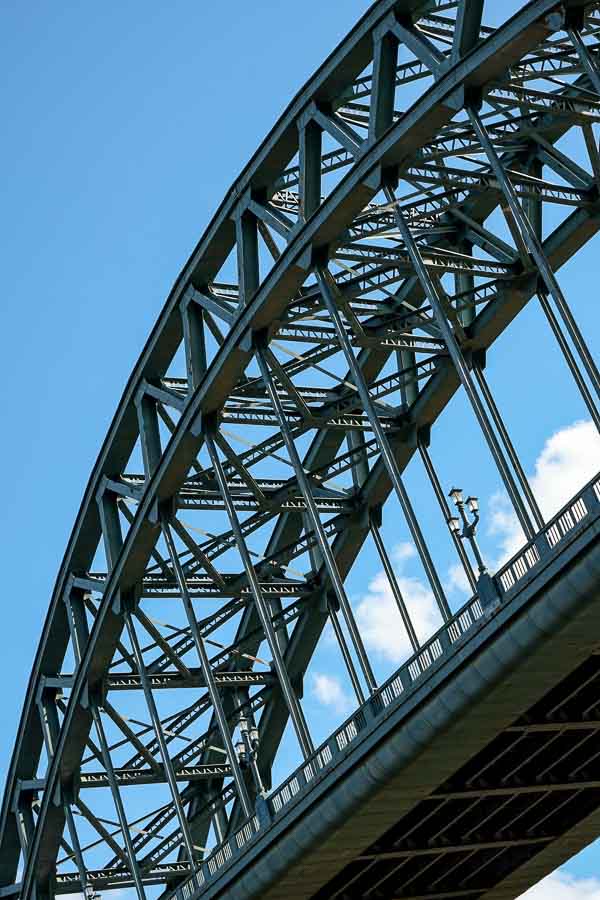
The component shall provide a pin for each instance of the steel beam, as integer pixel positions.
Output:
(460, 365)
(160, 737)
(327, 292)
(535, 248)
(330, 563)
(118, 802)
(207, 673)
(292, 702)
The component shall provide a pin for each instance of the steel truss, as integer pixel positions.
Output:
(349, 285)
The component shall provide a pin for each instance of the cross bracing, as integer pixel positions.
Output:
(385, 234)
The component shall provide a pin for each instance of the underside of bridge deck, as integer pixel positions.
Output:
(529, 792)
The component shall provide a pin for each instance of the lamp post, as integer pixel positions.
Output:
(486, 587)
(246, 749)
(468, 527)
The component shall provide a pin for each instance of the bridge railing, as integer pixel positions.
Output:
(546, 542)
(547, 545)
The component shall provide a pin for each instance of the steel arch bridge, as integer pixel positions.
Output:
(387, 232)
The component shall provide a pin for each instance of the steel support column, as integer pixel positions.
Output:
(328, 558)
(79, 861)
(431, 292)
(393, 582)
(569, 359)
(465, 286)
(316, 558)
(588, 63)
(535, 248)
(292, 702)
(533, 210)
(327, 287)
(117, 800)
(508, 446)
(309, 153)
(215, 697)
(160, 737)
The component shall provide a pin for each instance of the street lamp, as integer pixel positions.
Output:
(468, 527)
(246, 749)
(240, 749)
(486, 586)
(473, 504)
(456, 495)
(253, 738)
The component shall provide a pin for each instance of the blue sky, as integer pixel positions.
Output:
(123, 127)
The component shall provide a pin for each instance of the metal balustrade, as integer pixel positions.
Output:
(546, 546)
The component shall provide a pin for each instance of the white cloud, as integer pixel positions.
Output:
(401, 552)
(568, 460)
(560, 886)
(456, 580)
(378, 617)
(503, 525)
(328, 690)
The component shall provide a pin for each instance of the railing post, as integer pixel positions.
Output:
(444, 638)
(541, 545)
(487, 591)
(590, 497)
